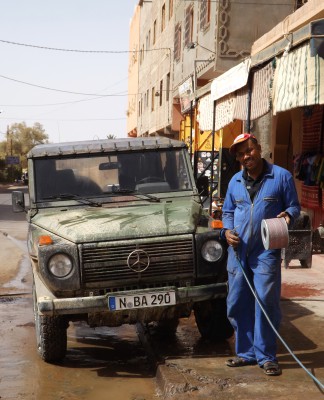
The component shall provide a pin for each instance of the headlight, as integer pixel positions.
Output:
(60, 265)
(211, 251)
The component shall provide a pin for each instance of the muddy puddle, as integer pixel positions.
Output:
(102, 363)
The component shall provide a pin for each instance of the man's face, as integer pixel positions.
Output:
(248, 154)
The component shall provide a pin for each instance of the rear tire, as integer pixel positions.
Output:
(306, 263)
(168, 327)
(212, 321)
(51, 335)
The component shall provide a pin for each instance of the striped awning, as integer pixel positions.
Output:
(205, 113)
(261, 95)
(298, 80)
(235, 105)
(224, 112)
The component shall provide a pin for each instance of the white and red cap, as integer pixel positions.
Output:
(239, 139)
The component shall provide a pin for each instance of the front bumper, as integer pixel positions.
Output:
(50, 306)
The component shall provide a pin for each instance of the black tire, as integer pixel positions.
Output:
(51, 335)
(212, 321)
(167, 327)
(306, 263)
(316, 242)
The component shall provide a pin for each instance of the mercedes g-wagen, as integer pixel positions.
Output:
(117, 234)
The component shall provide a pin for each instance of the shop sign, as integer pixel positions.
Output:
(11, 160)
(233, 79)
(186, 94)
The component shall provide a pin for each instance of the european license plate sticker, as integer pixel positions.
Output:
(155, 299)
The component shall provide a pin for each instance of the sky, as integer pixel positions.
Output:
(76, 94)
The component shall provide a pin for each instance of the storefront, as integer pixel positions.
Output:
(283, 84)
(297, 98)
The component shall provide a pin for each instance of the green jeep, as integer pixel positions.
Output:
(117, 234)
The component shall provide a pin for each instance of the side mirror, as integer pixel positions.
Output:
(203, 186)
(18, 201)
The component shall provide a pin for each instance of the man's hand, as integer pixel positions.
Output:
(283, 214)
(232, 238)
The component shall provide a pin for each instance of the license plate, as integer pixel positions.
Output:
(155, 299)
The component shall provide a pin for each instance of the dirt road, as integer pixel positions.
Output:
(110, 364)
(102, 363)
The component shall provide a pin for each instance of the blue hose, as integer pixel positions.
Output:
(274, 329)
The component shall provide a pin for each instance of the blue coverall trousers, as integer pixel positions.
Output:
(255, 339)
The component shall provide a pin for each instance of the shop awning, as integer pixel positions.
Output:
(299, 80)
(261, 95)
(232, 80)
(205, 113)
(224, 112)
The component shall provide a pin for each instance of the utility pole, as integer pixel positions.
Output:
(9, 152)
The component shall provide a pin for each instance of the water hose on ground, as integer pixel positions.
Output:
(321, 386)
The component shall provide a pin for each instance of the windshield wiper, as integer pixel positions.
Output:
(136, 193)
(70, 196)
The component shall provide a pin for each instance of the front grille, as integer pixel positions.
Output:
(108, 262)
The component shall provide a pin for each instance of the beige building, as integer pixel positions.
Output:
(151, 91)
(180, 47)
(296, 133)
(133, 69)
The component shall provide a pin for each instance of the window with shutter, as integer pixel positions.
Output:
(163, 18)
(170, 8)
(204, 14)
(189, 25)
(300, 3)
(177, 42)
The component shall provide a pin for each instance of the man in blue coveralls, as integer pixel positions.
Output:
(259, 191)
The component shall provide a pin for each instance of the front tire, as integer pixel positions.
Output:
(212, 321)
(51, 335)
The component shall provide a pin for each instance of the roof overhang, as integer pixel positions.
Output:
(314, 31)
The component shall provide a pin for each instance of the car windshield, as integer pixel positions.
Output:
(107, 175)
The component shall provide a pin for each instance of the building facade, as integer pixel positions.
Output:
(178, 47)
(133, 70)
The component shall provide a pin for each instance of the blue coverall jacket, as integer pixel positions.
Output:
(255, 339)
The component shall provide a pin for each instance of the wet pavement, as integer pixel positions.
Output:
(101, 363)
(202, 374)
(112, 363)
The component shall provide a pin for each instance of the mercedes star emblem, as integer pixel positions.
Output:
(138, 260)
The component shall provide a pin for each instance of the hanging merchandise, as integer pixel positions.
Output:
(310, 196)
(312, 130)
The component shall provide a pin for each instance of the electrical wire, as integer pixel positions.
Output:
(274, 329)
(254, 3)
(82, 51)
(51, 104)
(62, 91)
(69, 120)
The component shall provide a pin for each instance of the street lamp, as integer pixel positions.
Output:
(192, 45)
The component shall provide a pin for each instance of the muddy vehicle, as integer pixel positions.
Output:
(117, 234)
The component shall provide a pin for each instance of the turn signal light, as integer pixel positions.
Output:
(45, 240)
(216, 224)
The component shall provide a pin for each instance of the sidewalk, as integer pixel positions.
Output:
(7, 187)
(207, 377)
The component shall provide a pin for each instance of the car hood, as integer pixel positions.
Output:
(81, 225)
